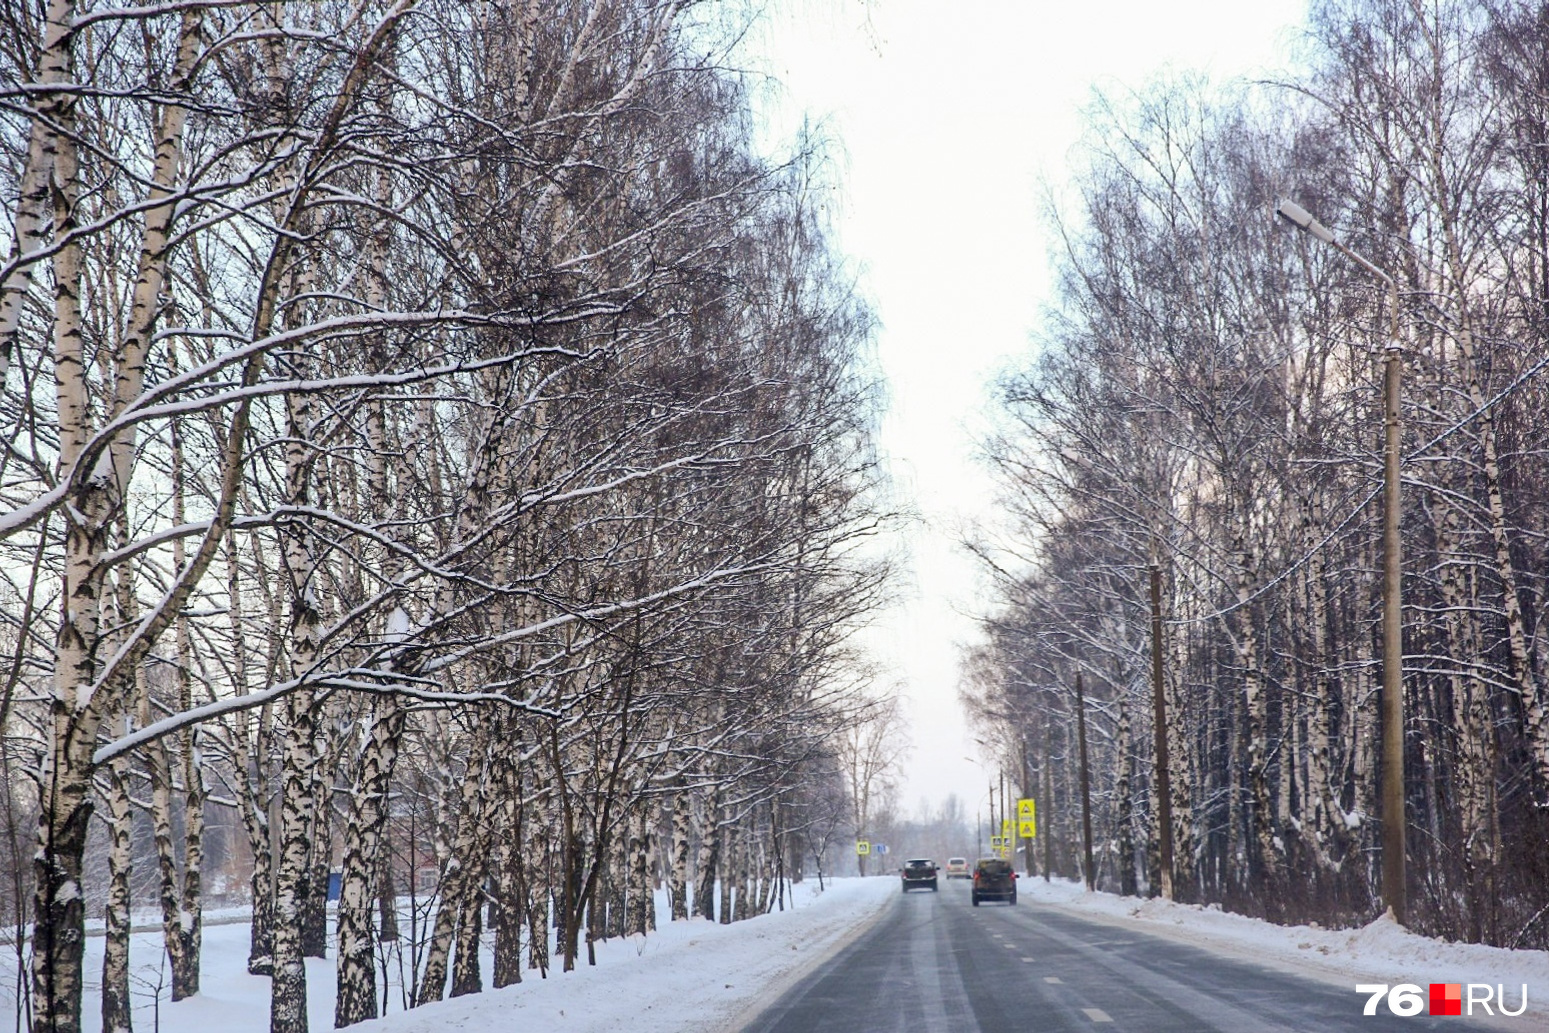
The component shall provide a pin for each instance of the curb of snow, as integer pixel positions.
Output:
(689, 977)
(1379, 952)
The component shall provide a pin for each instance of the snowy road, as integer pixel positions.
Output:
(934, 962)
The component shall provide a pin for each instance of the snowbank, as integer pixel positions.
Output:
(1382, 952)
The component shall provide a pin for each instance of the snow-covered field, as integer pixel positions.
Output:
(698, 977)
(1382, 952)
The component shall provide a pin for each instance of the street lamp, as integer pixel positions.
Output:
(1392, 789)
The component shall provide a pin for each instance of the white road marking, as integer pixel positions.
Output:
(1027, 959)
(1052, 979)
(1097, 1015)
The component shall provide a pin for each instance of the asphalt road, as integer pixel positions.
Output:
(933, 963)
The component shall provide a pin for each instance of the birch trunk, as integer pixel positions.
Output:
(1326, 816)
(1473, 726)
(1181, 771)
(467, 976)
(247, 769)
(1261, 813)
(640, 899)
(742, 859)
(314, 901)
(678, 880)
(609, 913)
(181, 917)
(454, 886)
(1123, 800)
(288, 986)
(509, 879)
(64, 813)
(116, 1006)
(727, 857)
(363, 843)
(538, 895)
(709, 859)
(1534, 712)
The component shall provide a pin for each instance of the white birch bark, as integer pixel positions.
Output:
(117, 1016)
(59, 917)
(678, 880)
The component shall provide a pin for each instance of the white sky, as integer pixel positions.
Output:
(947, 116)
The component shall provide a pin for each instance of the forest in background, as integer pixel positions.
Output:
(438, 457)
(1206, 401)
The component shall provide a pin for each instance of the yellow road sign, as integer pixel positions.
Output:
(1005, 828)
(1026, 811)
(862, 847)
(1027, 829)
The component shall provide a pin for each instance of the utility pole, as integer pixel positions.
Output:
(1048, 797)
(1028, 845)
(1395, 889)
(1086, 787)
(1003, 844)
(1162, 782)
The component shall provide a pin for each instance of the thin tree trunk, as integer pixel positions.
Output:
(641, 903)
(288, 985)
(116, 1007)
(709, 859)
(1124, 799)
(363, 842)
(509, 879)
(678, 879)
(64, 813)
(454, 882)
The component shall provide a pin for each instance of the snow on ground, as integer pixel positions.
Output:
(699, 977)
(687, 977)
(1382, 952)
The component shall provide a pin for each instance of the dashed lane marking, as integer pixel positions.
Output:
(1027, 959)
(1052, 979)
(1097, 1015)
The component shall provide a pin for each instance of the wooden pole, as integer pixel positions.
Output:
(1027, 785)
(1162, 782)
(1048, 798)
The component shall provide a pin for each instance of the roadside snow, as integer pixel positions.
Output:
(688, 977)
(1381, 952)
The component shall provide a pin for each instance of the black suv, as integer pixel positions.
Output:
(919, 872)
(994, 879)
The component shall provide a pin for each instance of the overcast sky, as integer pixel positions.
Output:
(946, 118)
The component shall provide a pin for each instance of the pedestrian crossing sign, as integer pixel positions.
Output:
(1026, 811)
(862, 848)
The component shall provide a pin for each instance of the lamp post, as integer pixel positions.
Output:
(1392, 788)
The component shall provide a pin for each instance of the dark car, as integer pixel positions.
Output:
(919, 873)
(994, 879)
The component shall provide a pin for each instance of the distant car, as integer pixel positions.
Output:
(919, 873)
(994, 879)
(957, 868)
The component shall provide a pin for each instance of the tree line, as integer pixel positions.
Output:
(438, 451)
(1206, 402)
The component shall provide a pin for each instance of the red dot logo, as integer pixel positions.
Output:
(1446, 998)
